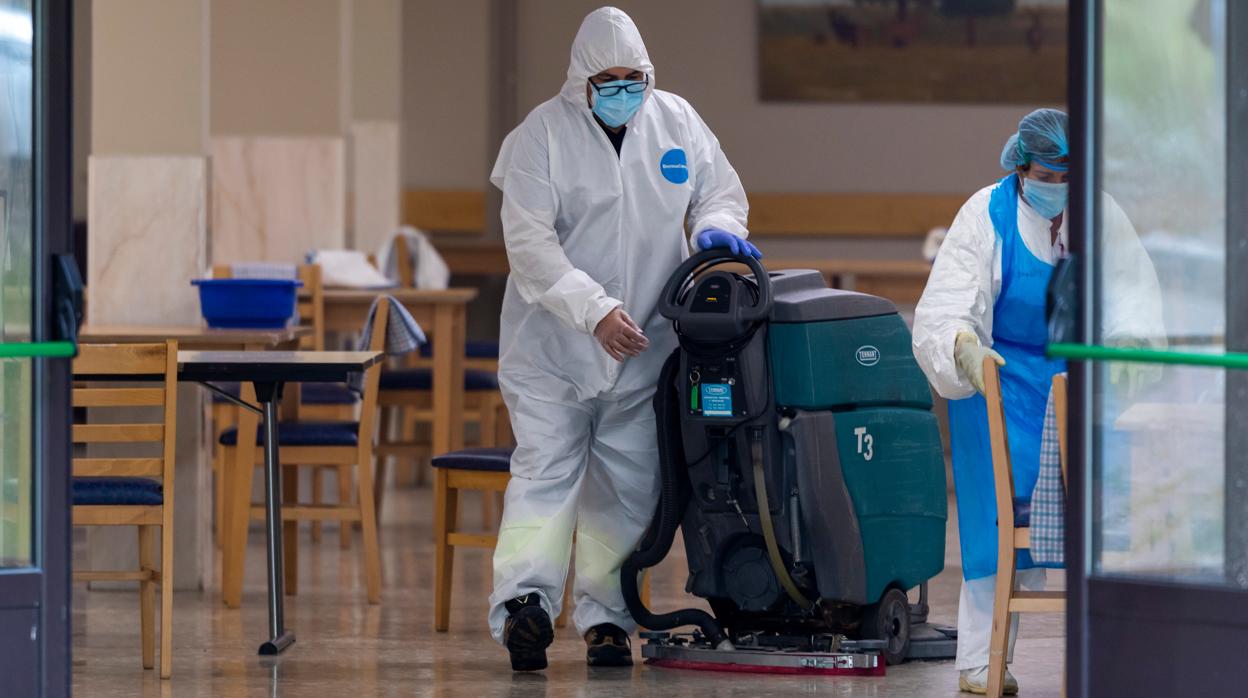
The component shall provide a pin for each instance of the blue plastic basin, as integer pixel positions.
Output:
(247, 303)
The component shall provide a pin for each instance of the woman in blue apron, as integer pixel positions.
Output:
(985, 299)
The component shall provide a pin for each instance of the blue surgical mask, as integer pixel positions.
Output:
(616, 110)
(1047, 198)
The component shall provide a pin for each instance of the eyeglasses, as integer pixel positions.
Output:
(613, 90)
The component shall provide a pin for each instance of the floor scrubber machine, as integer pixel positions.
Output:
(803, 465)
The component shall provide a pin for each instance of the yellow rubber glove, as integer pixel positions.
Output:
(969, 355)
(1130, 377)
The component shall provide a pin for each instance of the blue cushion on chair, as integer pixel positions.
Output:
(496, 460)
(1022, 512)
(472, 349)
(422, 379)
(117, 490)
(327, 394)
(303, 434)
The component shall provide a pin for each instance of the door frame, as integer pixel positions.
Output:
(45, 586)
(1132, 636)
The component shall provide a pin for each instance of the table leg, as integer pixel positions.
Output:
(279, 638)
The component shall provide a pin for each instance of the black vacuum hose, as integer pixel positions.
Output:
(673, 498)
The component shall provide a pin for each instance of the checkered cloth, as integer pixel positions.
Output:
(403, 336)
(1048, 501)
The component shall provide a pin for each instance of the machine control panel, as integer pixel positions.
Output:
(713, 389)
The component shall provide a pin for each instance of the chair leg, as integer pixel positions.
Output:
(147, 595)
(218, 486)
(445, 504)
(345, 528)
(368, 525)
(566, 611)
(379, 484)
(318, 493)
(166, 600)
(420, 469)
(290, 529)
(998, 647)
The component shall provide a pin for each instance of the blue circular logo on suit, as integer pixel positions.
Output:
(674, 167)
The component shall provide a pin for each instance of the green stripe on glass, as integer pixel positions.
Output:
(1092, 352)
(30, 350)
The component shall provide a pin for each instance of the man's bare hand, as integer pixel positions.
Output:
(620, 336)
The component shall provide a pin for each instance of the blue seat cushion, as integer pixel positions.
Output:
(117, 490)
(327, 394)
(303, 434)
(480, 349)
(494, 460)
(1022, 512)
(422, 379)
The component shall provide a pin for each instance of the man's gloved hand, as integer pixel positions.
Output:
(1130, 377)
(969, 355)
(714, 237)
(620, 336)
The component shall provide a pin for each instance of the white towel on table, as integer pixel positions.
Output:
(347, 269)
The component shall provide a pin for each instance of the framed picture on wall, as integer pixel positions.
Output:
(912, 51)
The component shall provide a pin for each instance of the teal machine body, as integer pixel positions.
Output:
(843, 362)
(801, 460)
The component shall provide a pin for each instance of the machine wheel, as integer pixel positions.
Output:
(889, 620)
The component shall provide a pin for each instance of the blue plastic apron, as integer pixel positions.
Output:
(1019, 334)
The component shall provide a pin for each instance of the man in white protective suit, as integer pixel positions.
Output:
(598, 185)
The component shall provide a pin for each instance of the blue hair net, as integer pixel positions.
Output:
(1042, 137)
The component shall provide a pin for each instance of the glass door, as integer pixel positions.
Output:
(1159, 486)
(34, 390)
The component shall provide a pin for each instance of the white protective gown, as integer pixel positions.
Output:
(960, 294)
(588, 231)
(966, 278)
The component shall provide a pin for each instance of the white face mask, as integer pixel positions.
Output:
(1047, 198)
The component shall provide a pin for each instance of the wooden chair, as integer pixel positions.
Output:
(136, 490)
(318, 400)
(487, 470)
(343, 445)
(406, 397)
(1013, 532)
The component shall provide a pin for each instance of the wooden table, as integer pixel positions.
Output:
(237, 475)
(266, 373)
(443, 315)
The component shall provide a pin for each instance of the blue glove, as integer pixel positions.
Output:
(714, 237)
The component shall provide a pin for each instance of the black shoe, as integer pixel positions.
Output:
(527, 633)
(608, 645)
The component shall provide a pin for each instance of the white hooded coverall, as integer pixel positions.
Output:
(959, 296)
(588, 231)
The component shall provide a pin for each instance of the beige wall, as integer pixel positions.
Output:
(376, 59)
(276, 67)
(141, 99)
(445, 84)
(708, 57)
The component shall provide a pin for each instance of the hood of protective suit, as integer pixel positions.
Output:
(607, 39)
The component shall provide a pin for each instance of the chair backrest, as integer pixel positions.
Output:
(1059, 413)
(1002, 470)
(310, 307)
(403, 262)
(372, 376)
(123, 363)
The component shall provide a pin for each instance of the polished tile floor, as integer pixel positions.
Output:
(349, 649)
